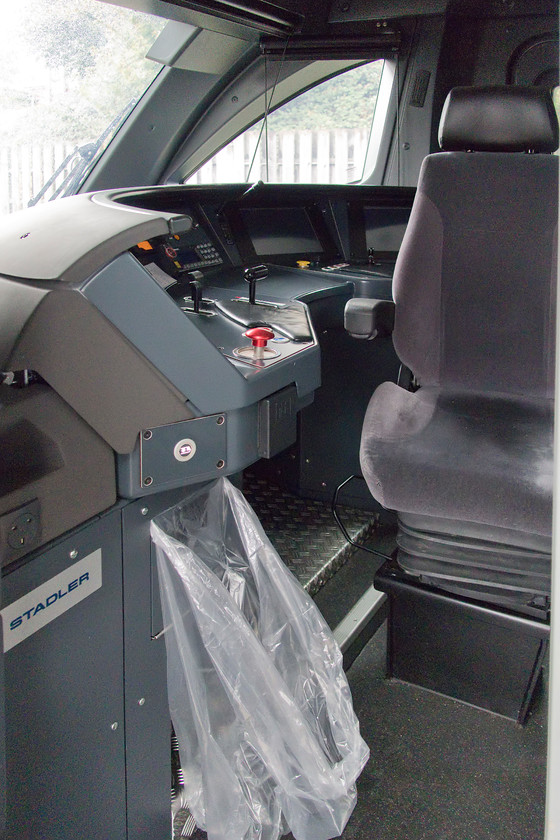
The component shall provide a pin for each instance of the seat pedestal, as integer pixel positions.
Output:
(488, 658)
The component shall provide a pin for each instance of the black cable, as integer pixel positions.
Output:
(398, 121)
(341, 525)
(267, 107)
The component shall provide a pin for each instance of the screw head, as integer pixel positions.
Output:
(221, 420)
(221, 464)
(144, 511)
(141, 701)
(114, 726)
(148, 480)
(73, 554)
(147, 435)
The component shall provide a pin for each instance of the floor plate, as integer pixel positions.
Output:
(304, 533)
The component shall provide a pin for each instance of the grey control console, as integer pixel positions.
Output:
(176, 388)
(210, 360)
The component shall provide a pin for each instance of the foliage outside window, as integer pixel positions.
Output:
(320, 136)
(68, 71)
(556, 101)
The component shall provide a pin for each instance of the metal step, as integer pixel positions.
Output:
(304, 533)
(360, 624)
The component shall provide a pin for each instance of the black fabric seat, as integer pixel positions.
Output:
(466, 460)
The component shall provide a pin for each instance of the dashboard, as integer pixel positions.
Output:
(177, 321)
(351, 228)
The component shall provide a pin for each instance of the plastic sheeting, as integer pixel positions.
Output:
(261, 707)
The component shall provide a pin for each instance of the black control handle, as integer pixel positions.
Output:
(256, 272)
(196, 294)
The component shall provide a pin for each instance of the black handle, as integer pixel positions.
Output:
(252, 274)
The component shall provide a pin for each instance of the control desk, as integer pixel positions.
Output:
(137, 310)
(149, 339)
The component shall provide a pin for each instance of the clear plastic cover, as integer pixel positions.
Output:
(268, 738)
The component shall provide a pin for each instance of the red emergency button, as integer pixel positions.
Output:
(260, 336)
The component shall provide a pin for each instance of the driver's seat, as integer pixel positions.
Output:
(466, 459)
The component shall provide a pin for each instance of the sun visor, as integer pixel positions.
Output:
(187, 47)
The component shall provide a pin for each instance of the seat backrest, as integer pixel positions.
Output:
(475, 280)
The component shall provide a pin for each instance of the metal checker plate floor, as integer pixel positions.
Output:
(304, 533)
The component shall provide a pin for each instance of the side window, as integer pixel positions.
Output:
(319, 137)
(556, 100)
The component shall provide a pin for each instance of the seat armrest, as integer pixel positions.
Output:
(369, 317)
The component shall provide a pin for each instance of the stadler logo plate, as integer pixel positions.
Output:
(40, 606)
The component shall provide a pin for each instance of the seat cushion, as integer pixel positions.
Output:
(461, 455)
(497, 565)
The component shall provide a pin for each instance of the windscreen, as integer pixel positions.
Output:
(70, 73)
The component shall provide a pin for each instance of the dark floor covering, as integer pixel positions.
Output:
(439, 770)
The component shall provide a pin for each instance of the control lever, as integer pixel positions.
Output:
(196, 294)
(190, 282)
(256, 272)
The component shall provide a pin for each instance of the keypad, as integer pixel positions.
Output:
(208, 256)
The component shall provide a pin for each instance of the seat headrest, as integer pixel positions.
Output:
(499, 119)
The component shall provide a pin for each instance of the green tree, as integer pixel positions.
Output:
(345, 101)
(67, 38)
(93, 55)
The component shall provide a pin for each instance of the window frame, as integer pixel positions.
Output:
(219, 126)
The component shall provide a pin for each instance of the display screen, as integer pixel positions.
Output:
(186, 256)
(385, 227)
(281, 230)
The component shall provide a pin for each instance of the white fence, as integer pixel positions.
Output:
(294, 157)
(333, 156)
(26, 168)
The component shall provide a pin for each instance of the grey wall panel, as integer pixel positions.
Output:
(64, 695)
(81, 355)
(49, 454)
(148, 725)
(17, 302)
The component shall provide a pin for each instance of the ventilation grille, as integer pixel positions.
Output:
(419, 89)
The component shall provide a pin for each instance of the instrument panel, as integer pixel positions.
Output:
(224, 335)
(188, 249)
(322, 228)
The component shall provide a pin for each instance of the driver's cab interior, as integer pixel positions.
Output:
(353, 322)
